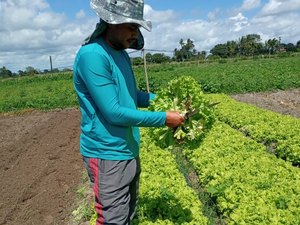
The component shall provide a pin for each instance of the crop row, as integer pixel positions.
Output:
(165, 197)
(44, 93)
(238, 76)
(279, 133)
(249, 185)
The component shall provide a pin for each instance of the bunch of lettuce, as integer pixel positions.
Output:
(184, 95)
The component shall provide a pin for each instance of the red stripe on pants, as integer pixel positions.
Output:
(98, 207)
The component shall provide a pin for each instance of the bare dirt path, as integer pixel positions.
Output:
(40, 164)
(40, 167)
(284, 102)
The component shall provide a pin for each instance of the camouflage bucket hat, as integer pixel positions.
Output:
(118, 12)
(121, 11)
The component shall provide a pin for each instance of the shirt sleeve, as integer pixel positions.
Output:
(143, 99)
(96, 72)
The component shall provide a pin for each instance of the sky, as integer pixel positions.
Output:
(33, 30)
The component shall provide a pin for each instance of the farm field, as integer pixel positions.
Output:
(54, 173)
(40, 160)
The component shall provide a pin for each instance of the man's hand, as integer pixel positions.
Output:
(174, 119)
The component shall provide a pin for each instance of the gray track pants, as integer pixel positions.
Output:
(115, 185)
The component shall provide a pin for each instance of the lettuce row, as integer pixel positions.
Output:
(165, 197)
(280, 133)
(249, 185)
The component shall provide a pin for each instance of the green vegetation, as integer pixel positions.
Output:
(37, 92)
(230, 75)
(250, 45)
(279, 133)
(83, 209)
(249, 185)
(165, 197)
(56, 90)
(240, 182)
(184, 95)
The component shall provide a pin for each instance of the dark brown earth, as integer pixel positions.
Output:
(41, 168)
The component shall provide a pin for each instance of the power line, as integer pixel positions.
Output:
(151, 50)
(133, 52)
(157, 50)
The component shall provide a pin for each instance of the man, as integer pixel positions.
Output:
(109, 101)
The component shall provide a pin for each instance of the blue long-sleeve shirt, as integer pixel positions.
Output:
(109, 101)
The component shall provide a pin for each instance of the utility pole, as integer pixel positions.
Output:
(145, 67)
(51, 68)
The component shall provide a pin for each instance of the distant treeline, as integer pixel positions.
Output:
(29, 71)
(247, 46)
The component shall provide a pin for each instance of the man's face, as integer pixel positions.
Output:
(121, 36)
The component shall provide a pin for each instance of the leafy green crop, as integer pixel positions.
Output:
(184, 95)
(234, 76)
(44, 92)
(249, 185)
(278, 132)
(165, 197)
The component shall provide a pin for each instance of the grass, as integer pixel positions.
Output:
(83, 209)
(53, 91)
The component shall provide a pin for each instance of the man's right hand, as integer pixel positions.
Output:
(174, 119)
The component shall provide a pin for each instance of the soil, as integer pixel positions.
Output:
(41, 168)
(284, 102)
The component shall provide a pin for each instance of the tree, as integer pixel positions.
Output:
(5, 73)
(21, 73)
(148, 57)
(272, 45)
(290, 47)
(66, 69)
(201, 55)
(298, 45)
(187, 50)
(232, 48)
(157, 58)
(136, 61)
(219, 50)
(160, 58)
(249, 45)
(55, 70)
(30, 70)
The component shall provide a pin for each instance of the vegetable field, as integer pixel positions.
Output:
(243, 169)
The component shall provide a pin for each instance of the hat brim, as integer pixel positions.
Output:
(113, 18)
(101, 27)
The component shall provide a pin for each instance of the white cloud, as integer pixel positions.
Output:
(280, 6)
(213, 15)
(204, 34)
(80, 14)
(285, 26)
(239, 22)
(250, 4)
(30, 31)
(158, 16)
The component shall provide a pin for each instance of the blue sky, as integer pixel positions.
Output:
(189, 10)
(32, 30)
